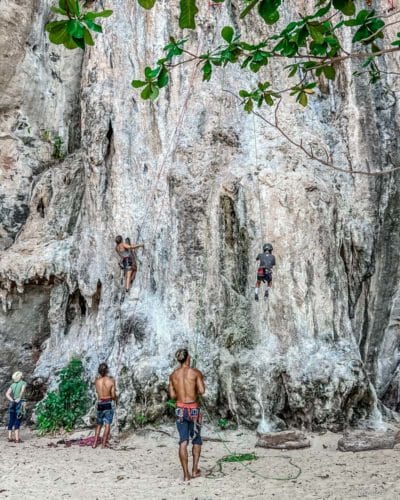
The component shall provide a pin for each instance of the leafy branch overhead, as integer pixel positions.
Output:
(311, 45)
(74, 31)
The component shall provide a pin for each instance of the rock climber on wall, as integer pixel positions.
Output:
(264, 271)
(128, 260)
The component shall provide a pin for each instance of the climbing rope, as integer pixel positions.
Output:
(258, 180)
(155, 183)
(241, 458)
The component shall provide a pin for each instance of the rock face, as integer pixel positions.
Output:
(203, 185)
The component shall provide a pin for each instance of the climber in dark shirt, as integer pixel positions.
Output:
(264, 271)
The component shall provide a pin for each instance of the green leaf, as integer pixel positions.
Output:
(322, 11)
(154, 92)
(93, 15)
(207, 71)
(87, 37)
(147, 4)
(58, 11)
(268, 99)
(293, 71)
(247, 9)
(54, 25)
(59, 35)
(151, 73)
(146, 92)
(75, 28)
(163, 78)
(329, 72)
(70, 44)
(316, 34)
(93, 26)
(346, 6)
(255, 67)
(187, 14)
(302, 99)
(80, 42)
(243, 93)
(73, 7)
(227, 33)
(268, 10)
(361, 34)
(248, 106)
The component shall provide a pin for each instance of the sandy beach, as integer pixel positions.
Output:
(145, 465)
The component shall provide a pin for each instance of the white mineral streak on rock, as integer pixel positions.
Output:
(203, 185)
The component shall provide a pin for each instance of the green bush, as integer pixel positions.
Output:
(61, 409)
(141, 419)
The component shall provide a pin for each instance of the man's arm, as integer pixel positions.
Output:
(8, 395)
(201, 388)
(113, 391)
(171, 389)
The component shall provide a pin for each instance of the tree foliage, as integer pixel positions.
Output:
(74, 31)
(312, 46)
(61, 409)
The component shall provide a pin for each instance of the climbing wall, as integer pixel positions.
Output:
(204, 185)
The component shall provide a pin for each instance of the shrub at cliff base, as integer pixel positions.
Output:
(62, 409)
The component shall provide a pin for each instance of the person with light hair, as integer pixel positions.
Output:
(15, 395)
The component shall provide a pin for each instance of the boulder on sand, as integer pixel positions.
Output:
(368, 440)
(285, 440)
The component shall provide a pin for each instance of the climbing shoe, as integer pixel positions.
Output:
(266, 294)
(256, 297)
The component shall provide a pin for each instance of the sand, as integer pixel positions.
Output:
(145, 465)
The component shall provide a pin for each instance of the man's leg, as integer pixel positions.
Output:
(183, 457)
(196, 450)
(96, 435)
(269, 286)
(17, 440)
(133, 276)
(106, 435)
(128, 279)
(257, 289)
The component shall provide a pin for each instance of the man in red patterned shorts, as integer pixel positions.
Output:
(185, 385)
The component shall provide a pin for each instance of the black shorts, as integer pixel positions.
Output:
(264, 275)
(129, 264)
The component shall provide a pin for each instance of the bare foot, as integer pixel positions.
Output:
(94, 444)
(196, 473)
(187, 478)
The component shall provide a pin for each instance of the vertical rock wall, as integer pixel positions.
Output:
(203, 185)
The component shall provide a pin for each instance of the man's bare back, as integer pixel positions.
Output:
(105, 387)
(186, 384)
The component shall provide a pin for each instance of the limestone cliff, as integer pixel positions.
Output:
(203, 185)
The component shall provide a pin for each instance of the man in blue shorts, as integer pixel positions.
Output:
(105, 388)
(185, 385)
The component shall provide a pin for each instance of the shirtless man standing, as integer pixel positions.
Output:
(105, 388)
(185, 385)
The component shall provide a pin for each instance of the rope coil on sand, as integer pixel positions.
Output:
(240, 458)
